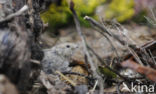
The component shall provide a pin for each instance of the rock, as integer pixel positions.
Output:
(14, 52)
(81, 89)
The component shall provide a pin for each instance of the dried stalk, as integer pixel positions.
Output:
(127, 44)
(93, 89)
(66, 78)
(101, 27)
(75, 73)
(93, 66)
(109, 40)
(116, 72)
(20, 12)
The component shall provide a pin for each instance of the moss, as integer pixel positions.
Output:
(58, 16)
(140, 17)
(86, 6)
(107, 72)
(120, 9)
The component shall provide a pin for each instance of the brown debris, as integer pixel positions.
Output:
(6, 87)
(148, 72)
(78, 79)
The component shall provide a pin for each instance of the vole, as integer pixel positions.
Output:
(58, 57)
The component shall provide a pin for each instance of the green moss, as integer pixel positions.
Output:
(139, 18)
(120, 9)
(58, 16)
(107, 72)
(86, 7)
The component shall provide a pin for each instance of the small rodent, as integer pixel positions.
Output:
(58, 57)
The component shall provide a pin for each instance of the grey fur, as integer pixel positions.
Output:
(58, 57)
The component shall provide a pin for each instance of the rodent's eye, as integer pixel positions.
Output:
(68, 46)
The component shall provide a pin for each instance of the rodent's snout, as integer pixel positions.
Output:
(75, 47)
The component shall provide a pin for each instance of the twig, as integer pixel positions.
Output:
(135, 55)
(45, 82)
(93, 68)
(116, 37)
(97, 24)
(123, 31)
(152, 57)
(35, 61)
(109, 40)
(114, 71)
(98, 57)
(66, 78)
(93, 89)
(150, 20)
(129, 46)
(131, 50)
(22, 10)
(118, 87)
(75, 73)
(153, 15)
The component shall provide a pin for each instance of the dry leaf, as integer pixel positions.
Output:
(6, 87)
(148, 72)
(79, 79)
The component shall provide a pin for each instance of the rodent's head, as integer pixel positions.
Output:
(65, 49)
